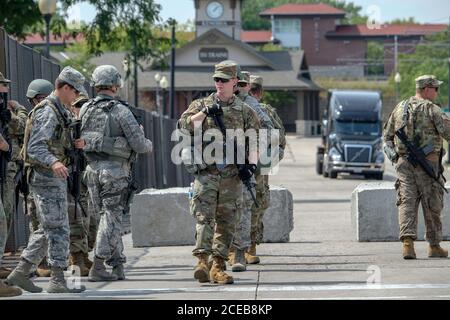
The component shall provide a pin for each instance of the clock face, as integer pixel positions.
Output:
(214, 10)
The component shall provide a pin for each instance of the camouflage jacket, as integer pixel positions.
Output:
(277, 123)
(427, 124)
(16, 129)
(255, 105)
(236, 115)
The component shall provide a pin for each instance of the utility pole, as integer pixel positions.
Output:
(173, 23)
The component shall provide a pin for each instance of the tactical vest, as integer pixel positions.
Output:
(97, 121)
(420, 128)
(61, 141)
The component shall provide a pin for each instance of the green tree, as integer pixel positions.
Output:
(410, 20)
(375, 58)
(252, 21)
(127, 24)
(430, 57)
(18, 15)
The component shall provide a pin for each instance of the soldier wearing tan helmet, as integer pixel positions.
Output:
(425, 125)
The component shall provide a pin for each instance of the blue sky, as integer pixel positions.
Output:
(424, 11)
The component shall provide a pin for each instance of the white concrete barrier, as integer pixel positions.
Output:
(374, 214)
(160, 217)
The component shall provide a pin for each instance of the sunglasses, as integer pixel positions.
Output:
(221, 80)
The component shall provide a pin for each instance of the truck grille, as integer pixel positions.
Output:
(358, 153)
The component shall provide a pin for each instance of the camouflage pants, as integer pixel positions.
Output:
(9, 193)
(242, 239)
(107, 182)
(414, 186)
(52, 236)
(83, 225)
(215, 202)
(263, 199)
(3, 231)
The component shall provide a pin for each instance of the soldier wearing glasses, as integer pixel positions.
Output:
(217, 194)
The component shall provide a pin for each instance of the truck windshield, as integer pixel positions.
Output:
(358, 128)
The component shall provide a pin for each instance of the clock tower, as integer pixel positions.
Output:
(223, 15)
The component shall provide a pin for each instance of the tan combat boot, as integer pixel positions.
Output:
(77, 259)
(201, 272)
(239, 264)
(231, 256)
(7, 291)
(250, 255)
(408, 249)
(4, 272)
(58, 284)
(43, 269)
(88, 263)
(217, 273)
(436, 251)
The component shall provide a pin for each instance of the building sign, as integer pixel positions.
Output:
(213, 54)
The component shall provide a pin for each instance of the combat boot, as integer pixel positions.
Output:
(77, 259)
(57, 283)
(88, 263)
(217, 273)
(7, 291)
(19, 277)
(250, 255)
(210, 263)
(408, 249)
(231, 256)
(43, 269)
(201, 272)
(239, 264)
(436, 251)
(98, 272)
(119, 272)
(4, 272)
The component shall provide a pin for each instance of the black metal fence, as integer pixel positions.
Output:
(22, 64)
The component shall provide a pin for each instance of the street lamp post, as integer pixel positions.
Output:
(162, 83)
(47, 9)
(397, 79)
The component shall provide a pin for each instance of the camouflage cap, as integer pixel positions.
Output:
(257, 80)
(245, 77)
(226, 70)
(3, 79)
(427, 81)
(74, 78)
(80, 100)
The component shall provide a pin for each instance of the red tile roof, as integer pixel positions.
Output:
(37, 39)
(388, 30)
(303, 9)
(260, 36)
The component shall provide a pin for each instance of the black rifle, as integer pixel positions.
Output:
(241, 167)
(78, 166)
(21, 183)
(417, 157)
(5, 156)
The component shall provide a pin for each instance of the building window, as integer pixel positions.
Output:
(287, 26)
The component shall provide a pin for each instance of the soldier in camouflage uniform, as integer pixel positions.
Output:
(262, 180)
(217, 193)
(111, 137)
(425, 125)
(46, 143)
(5, 290)
(83, 224)
(15, 116)
(37, 90)
(242, 239)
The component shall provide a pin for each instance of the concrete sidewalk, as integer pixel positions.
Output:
(322, 261)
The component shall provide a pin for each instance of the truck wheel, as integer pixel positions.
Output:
(333, 174)
(319, 163)
(378, 176)
(324, 171)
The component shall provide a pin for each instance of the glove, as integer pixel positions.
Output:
(215, 109)
(246, 171)
(5, 115)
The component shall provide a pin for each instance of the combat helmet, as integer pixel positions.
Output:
(106, 75)
(39, 87)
